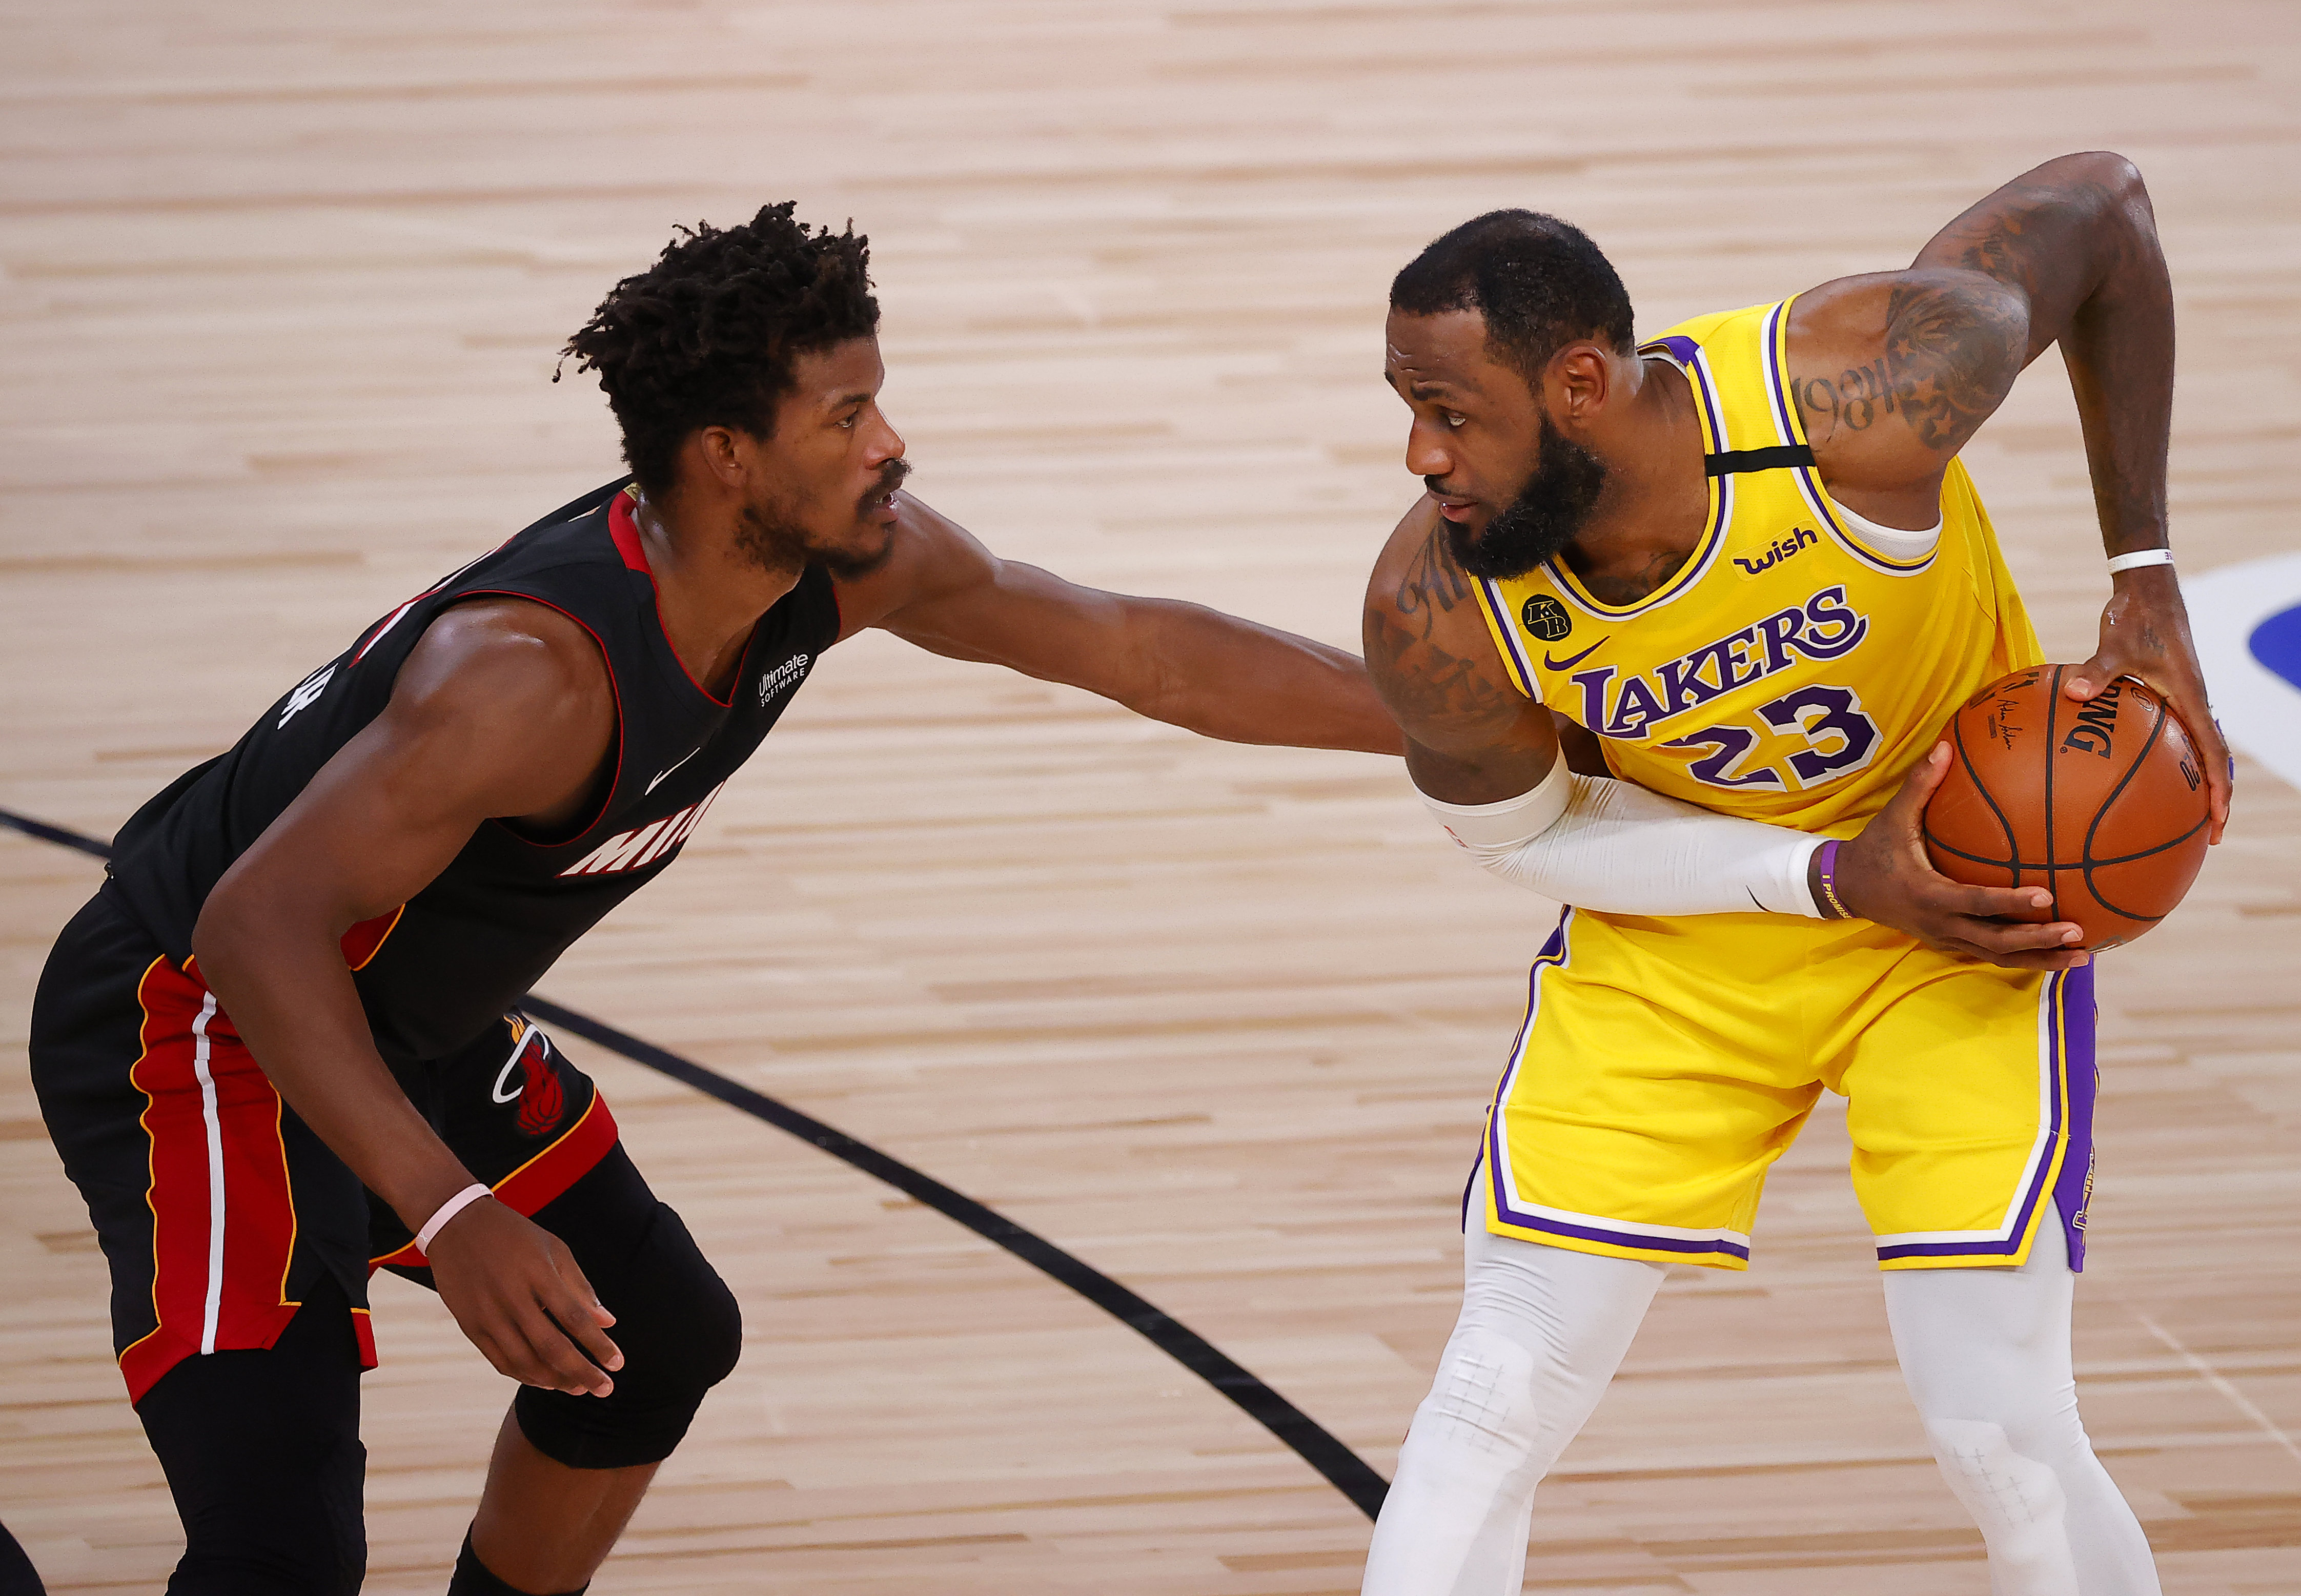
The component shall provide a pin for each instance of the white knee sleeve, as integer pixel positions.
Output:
(1986, 1353)
(1542, 1331)
(2017, 1502)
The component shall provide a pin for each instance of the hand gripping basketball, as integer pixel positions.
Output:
(1884, 875)
(2144, 634)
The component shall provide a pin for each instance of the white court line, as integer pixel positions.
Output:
(2213, 1376)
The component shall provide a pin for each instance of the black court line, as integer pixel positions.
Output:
(1343, 1468)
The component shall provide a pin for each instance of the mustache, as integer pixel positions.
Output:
(891, 476)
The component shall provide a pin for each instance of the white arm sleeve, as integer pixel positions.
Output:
(1615, 847)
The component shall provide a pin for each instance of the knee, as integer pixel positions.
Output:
(680, 1330)
(1480, 1415)
(2016, 1500)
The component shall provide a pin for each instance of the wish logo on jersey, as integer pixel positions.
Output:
(1782, 548)
(642, 845)
(1825, 627)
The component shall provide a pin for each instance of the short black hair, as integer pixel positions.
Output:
(1540, 283)
(706, 337)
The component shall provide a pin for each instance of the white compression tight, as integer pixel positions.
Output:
(1986, 1353)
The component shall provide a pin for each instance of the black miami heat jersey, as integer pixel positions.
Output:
(439, 970)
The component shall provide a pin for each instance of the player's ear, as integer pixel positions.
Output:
(1579, 380)
(723, 455)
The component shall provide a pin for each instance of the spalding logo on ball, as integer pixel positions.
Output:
(2103, 804)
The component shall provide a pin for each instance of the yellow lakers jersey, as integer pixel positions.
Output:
(1789, 671)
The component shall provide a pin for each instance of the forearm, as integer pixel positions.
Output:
(2077, 239)
(1614, 846)
(1224, 677)
(291, 1000)
(2118, 347)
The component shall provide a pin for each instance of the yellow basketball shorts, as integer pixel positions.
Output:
(1665, 1063)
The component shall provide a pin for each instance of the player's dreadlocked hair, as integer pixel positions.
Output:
(1539, 282)
(705, 337)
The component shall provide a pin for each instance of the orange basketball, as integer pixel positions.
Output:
(2101, 804)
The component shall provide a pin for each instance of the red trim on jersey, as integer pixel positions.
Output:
(223, 1209)
(365, 940)
(614, 688)
(576, 1152)
(626, 532)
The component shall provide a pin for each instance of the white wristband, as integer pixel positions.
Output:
(447, 1210)
(2139, 558)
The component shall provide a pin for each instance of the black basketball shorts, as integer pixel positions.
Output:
(216, 1206)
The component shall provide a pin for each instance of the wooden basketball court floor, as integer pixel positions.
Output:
(283, 285)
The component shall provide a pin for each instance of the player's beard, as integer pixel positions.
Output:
(771, 538)
(1547, 515)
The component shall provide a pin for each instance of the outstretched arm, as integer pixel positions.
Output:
(1894, 373)
(1213, 673)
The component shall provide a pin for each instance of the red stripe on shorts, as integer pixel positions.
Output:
(534, 1184)
(223, 1211)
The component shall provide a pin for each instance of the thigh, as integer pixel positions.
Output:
(1970, 1104)
(523, 1119)
(217, 1209)
(262, 1451)
(1644, 1098)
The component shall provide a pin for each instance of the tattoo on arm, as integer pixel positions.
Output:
(1425, 684)
(1433, 584)
(1953, 349)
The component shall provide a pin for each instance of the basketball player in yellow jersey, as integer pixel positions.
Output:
(1742, 571)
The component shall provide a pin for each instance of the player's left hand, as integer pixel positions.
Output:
(2144, 634)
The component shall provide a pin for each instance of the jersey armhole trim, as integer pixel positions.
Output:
(1496, 611)
(1791, 429)
(614, 693)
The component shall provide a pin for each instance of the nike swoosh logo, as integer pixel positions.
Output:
(1571, 660)
(660, 774)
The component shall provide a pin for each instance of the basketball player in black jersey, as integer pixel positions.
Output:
(280, 1046)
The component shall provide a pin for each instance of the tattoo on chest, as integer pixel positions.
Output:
(1630, 586)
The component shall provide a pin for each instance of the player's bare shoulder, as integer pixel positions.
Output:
(1426, 644)
(1892, 373)
(509, 696)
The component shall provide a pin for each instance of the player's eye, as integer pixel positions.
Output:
(1454, 419)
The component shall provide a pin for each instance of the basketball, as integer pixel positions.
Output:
(2101, 804)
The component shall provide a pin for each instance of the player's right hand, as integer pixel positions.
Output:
(1884, 875)
(516, 1291)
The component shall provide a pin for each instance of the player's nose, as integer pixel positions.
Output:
(1426, 456)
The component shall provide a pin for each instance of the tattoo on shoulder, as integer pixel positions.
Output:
(1952, 353)
(1424, 683)
(1433, 584)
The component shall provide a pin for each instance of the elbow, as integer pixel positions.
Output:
(222, 929)
(2116, 175)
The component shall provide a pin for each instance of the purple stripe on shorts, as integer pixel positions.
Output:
(1554, 952)
(2074, 1190)
(2069, 1043)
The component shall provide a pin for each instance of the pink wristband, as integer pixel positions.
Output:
(447, 1210)
(1826, 867)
